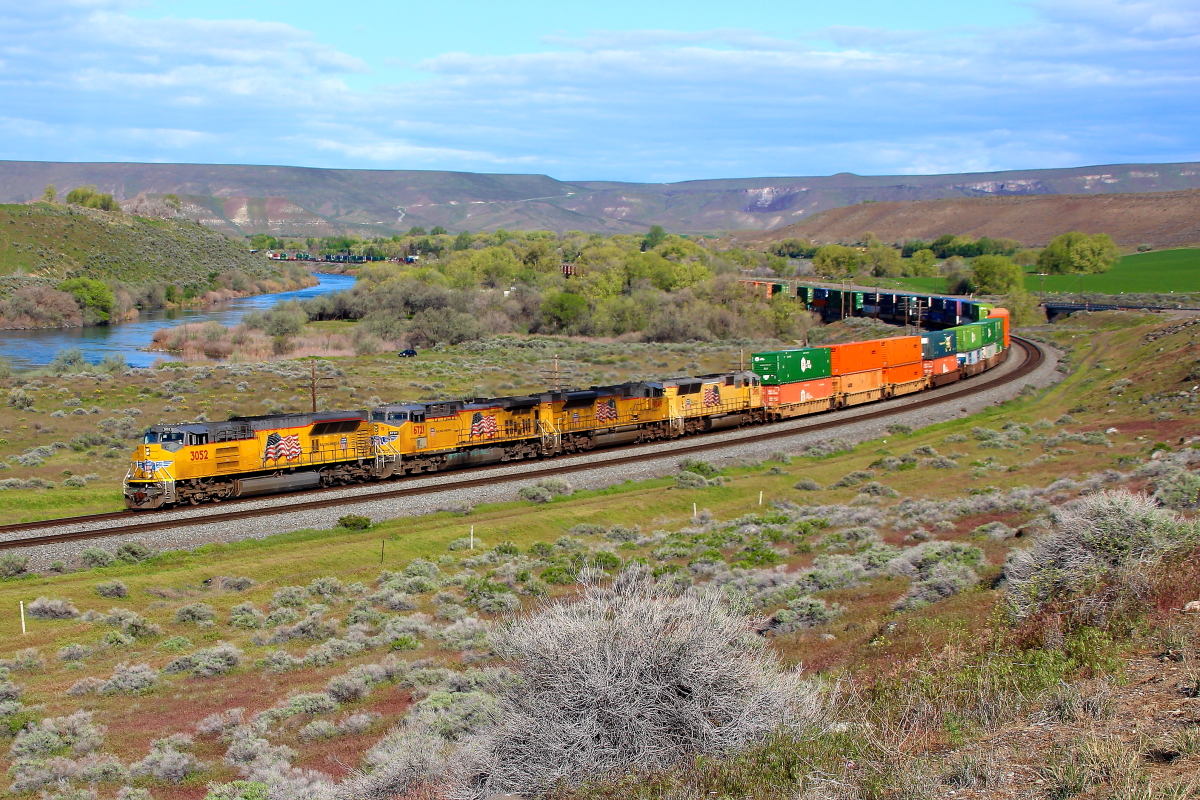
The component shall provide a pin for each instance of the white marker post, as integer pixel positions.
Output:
(22, 617)
(472, 537)
(760, 497)
(695, 513)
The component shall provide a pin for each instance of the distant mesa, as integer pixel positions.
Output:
(301, 202)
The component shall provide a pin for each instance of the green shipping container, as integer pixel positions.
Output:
(805, 293)
(993, 330)
(791, 366)
(981, 311)
(968, 337)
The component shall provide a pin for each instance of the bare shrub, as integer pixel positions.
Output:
(628, 677)
(1106, 537)
(45, 608)
(112, 589)
(221, 722)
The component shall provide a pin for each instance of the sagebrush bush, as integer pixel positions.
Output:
(1112, 537)
(112, 589)
(681, 676)
(45, 608)
(13, 564)
(195, 613)
(208, 662)
(93, 557)
(807, 485)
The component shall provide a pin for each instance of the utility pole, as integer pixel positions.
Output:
(315, 384)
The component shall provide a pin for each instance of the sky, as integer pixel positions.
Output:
(616, 90)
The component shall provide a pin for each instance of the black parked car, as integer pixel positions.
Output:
(407, 353)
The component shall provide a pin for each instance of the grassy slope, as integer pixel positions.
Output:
(868, 640)
(50, 241)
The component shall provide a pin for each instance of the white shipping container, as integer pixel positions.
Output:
(989, 350)
(970, 357)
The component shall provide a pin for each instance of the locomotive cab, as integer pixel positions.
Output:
(150, 480)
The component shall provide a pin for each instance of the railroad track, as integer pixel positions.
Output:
(138, 522)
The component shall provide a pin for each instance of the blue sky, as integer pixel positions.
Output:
(616, 90)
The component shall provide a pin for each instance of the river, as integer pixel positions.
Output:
(38, 347)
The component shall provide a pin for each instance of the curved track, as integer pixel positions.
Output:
(138, 522)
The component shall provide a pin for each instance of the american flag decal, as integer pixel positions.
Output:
(606, 411)
(711, 396)
(483, 425)
(282, 447)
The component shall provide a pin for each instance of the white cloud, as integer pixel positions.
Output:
(1090, 81)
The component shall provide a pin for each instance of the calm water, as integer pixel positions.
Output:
(33, 348)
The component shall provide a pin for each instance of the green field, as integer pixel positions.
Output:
(1160, 272)
(1141, 273)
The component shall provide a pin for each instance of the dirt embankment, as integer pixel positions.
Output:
(1160, 219)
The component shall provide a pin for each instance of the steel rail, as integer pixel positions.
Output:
(1033, 359)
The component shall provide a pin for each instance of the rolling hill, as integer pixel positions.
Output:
(1159, 219)
(300, 201)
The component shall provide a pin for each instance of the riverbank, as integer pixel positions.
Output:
(72, 267)
(35, 348)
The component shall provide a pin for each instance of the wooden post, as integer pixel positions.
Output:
(760, 494)
(472, 537)
(22, 617)
(382, 544)
(695, 513)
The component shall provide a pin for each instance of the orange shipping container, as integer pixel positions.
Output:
(906, 373)
(857, 356)
(1003, 314)
(790, 393)
(901, 350)
(860, 381)
(942, 366)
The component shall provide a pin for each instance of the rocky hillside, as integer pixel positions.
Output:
(1160, 219)
(302, 202)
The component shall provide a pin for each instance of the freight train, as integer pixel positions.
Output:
(193, 463)
(922, 310)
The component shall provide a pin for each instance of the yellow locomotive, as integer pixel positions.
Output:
(212, 461)
(209, 462)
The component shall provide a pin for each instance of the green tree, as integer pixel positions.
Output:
(173, 202)
(1024, 307)
(654, 238)
(1078, 252)
(94, 297)
(995, 275)
(884, 261)
(564, 308)
(462, 241)
(417, 230)
(835, 260)
(922, 264)
(1026, 258)
(438, 230)
(49, 193)
(88, 197)
(264, 241)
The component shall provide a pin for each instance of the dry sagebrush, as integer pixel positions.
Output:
(629, 677)
(1110, 537)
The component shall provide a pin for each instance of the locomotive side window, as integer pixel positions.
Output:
(197, 439)
(397, 416)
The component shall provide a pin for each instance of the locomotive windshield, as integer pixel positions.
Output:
(152, 437)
